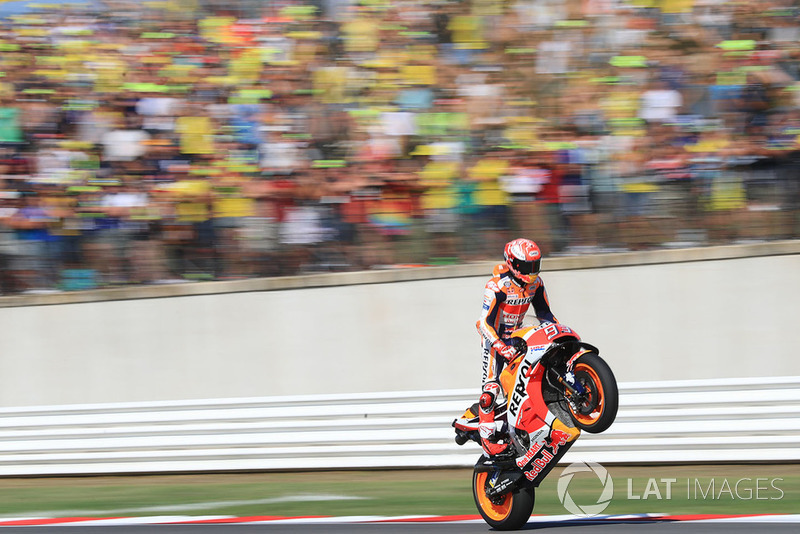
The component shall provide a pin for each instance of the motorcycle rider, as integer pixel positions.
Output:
(515, 286)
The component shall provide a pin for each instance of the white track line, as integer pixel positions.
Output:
(171, 519)
(192, 506)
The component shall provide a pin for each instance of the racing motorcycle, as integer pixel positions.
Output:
(556, 387)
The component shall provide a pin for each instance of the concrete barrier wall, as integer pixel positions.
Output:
(729, 312)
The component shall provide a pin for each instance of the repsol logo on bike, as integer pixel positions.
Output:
(518, 302)
(520, 392)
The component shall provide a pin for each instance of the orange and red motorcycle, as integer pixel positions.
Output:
(557, 386)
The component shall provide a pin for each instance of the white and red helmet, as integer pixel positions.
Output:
(524, 259)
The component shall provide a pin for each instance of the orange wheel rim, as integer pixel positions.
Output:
(596, 390)
(496, 512)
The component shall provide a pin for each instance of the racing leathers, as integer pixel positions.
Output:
(505, 303)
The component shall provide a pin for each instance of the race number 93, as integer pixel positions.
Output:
(553, 330)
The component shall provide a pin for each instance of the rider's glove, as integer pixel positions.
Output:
(505, 349)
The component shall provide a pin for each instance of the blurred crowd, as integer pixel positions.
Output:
(164, 141)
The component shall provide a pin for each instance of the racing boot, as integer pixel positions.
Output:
(487, 425)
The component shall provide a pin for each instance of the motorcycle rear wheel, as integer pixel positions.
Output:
(509, 512)
(597, 408)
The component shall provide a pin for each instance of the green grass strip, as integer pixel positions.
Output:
(737, 489)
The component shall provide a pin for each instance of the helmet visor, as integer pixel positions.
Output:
(526, 267)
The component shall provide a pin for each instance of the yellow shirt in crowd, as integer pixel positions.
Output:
(196, 135)
(489, 192)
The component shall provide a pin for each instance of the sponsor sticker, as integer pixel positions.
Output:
(520, 393)
(557, 439)
(539, 464)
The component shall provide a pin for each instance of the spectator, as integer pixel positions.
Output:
(660, 103)
(145, 145)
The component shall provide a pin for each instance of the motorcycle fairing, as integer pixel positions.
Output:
(525, 411)
(542, 457)
(546, 334)
(548, 438)
(539, 437)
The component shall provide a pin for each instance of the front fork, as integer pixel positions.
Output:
(572, 389)
(569, 383)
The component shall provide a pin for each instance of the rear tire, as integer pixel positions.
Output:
(509, 512)
(597, 410)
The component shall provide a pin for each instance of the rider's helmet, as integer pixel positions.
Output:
(524, 260)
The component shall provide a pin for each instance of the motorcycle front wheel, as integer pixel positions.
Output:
(508, 512)
(595, 408)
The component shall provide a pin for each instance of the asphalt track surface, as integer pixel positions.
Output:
(624, 527)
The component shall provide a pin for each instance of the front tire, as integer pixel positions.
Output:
(509, 512)
(596, 409)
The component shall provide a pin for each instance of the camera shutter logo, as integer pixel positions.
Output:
(591, 509)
